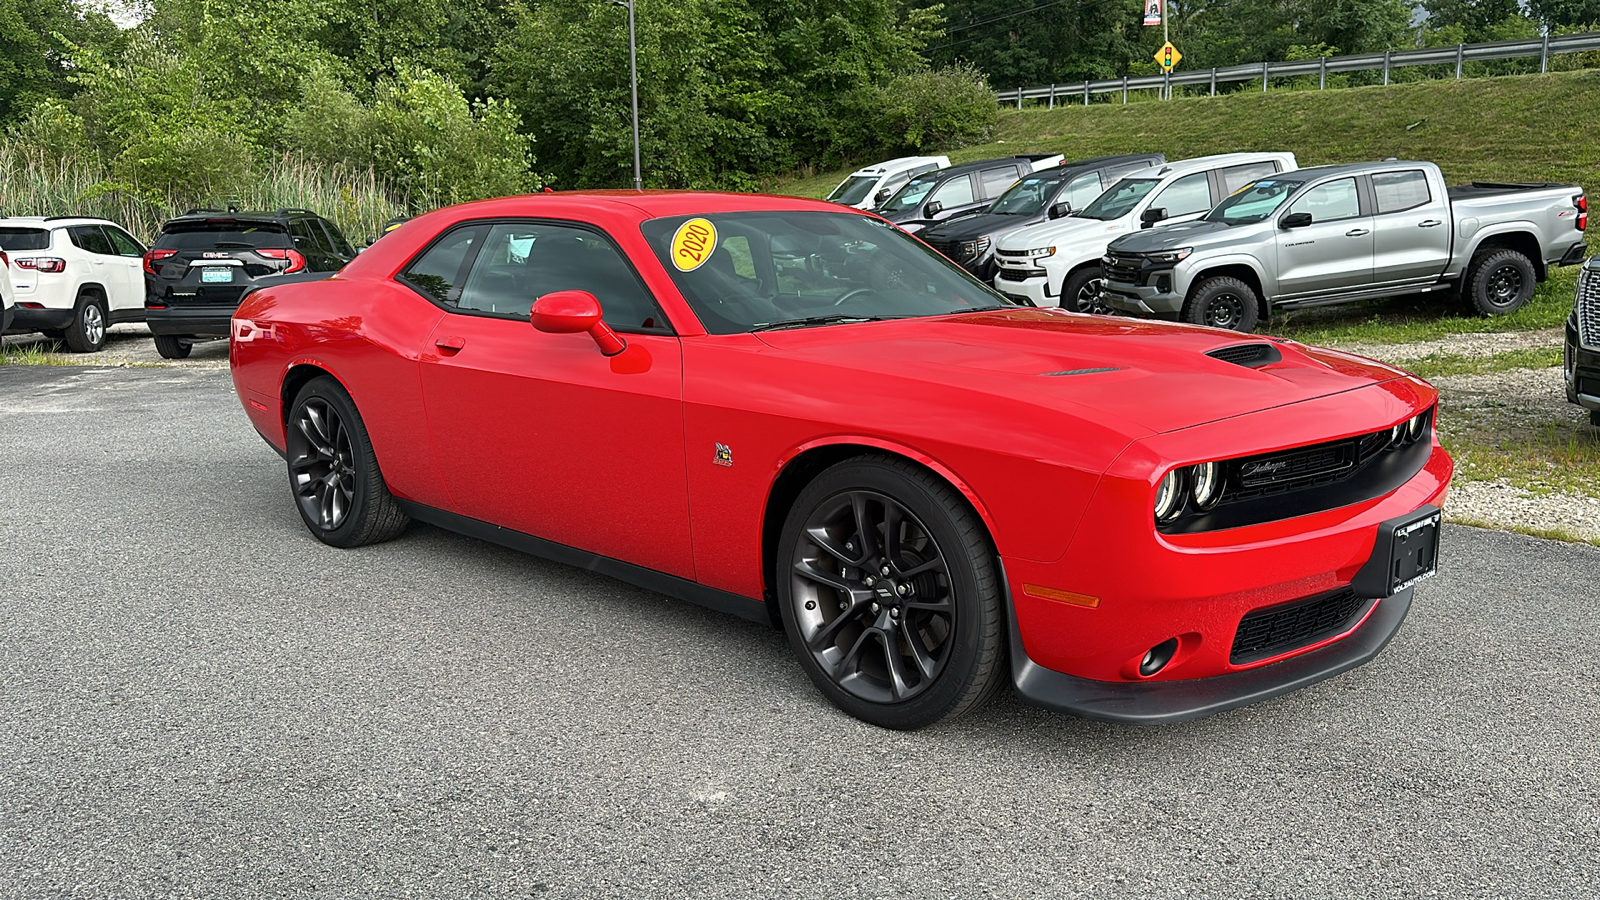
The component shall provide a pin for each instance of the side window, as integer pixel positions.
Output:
(997, 181)
(91, 239)
(437, 272)
(122, 242)
(1330, 202)
(1236, 177)
(522, 261)
(1400, 191)
(337, 242)
(300, 231)
(1081, 191)
(1188, 195)
(955, 192)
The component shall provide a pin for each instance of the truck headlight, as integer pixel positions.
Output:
(1171, 256)
(1042, 251)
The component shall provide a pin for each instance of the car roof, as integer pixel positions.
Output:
(46, 222)
(1075, 166)
(895, 165)
(1357, 168)
(1202, 163)
(205, 215)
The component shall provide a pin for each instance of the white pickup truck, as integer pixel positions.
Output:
(1057, 263)
(1333, 234)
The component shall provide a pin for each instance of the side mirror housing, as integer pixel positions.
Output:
(881, 196)
(1057, 210)
(569, 312)
(1295, 220)
(1152, 215)
(933, 209)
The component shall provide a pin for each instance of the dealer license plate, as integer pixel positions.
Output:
(1414, 552)
(216, 275)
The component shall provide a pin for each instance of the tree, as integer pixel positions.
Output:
(34, 65)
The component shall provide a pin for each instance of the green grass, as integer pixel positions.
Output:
(37, 354)
(1439, 365)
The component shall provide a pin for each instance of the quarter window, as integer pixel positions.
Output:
(1330, 202)
(522, 261)
(1188, 195)
(437, 273)
(1400, 191)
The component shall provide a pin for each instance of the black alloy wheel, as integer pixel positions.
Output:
(333, 472)
(889, 594)
(1223, 302)
(1501, 282)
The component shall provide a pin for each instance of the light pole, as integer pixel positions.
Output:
(633, 78)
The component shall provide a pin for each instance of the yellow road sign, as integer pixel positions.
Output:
(1168, 56)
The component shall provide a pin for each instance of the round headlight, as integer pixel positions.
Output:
(1416, 427)
(1207, 484)
(1396, 433)
(1169, 496)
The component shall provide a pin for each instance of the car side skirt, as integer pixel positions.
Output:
(639, 576)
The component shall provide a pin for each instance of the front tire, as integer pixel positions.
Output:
(170, 347)
(1081, 291)
(1223, 302)
(889, 594)
(333, 472)
(1500, 282)
(87, 333)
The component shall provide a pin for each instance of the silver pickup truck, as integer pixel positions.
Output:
(1332, 234)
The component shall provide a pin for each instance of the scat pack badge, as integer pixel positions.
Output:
(723, 456)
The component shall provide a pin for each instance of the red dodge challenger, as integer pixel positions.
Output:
(796, 413)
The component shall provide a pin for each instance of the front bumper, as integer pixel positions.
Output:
(1034, 291)
(1581, 371)
(190, 321)
(1142, 299)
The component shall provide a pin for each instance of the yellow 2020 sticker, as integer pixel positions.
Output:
(692, 244)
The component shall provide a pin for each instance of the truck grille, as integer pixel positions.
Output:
(951, 250)
(1020, 274)
(1121, 268)
(1268, 632)
(1588, 307)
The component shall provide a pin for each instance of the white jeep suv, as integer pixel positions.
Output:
(73, 277)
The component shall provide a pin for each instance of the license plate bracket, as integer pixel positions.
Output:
(216, 275)
(1405, 554)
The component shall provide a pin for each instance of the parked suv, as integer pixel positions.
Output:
(1583, 342)
(72, 277)
(207, 259)
(1045, 195)
(947, 193)
(862, 188)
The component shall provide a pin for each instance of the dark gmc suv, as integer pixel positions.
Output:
(1047, 194)
(205, 261)
(1582, 362)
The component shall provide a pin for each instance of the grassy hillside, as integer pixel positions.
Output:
(1514, 128)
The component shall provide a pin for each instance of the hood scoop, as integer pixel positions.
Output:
(1081, 371)
(1251, 356)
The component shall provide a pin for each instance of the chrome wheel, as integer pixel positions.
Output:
(872, 597)
(322, 464)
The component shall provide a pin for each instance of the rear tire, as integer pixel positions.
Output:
(87, 333)
(1500, 282)
(1223, 302)
(170, 347)
(889, 594)
(333, 472)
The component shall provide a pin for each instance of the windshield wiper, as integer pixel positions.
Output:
(990, 308)
(831, 319)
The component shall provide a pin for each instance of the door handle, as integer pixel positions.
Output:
(1429, 223)
(1357, 232)
(450, 343)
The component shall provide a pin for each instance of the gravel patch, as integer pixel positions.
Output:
(130, 345)
(1524, 396)
(1456, 344)
(1501, 504)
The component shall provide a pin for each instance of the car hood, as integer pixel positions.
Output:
(1151, 376)
(970, 228)
(1183, 234)
(1068, 228)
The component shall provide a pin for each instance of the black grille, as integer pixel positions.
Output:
(1248, 355)
(1123, 269)
(950, 249)
(1303, 467)
(1588, 307)
(1278, 629)
(1020, 274)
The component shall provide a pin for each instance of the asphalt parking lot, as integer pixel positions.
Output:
(199, 700)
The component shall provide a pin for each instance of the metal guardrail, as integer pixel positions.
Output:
(1543, 48)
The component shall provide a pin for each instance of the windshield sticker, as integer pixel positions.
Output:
(693, 244)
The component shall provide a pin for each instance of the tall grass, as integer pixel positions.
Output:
(356, 200)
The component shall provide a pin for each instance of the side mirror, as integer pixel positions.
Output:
(1057, 210)
(569, 312)
(1295, 220)
(881, 196)
(933, 209)
(1152, 215)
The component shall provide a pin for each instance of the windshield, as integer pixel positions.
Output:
(1026, 197)
(1120, 200)
(854, 189)
(910, 196)
(1253, 202)
(759, 270)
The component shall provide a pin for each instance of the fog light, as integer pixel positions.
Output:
(1157, 657)
(1164, 284)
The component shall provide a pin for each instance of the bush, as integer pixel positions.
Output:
(926, 111)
